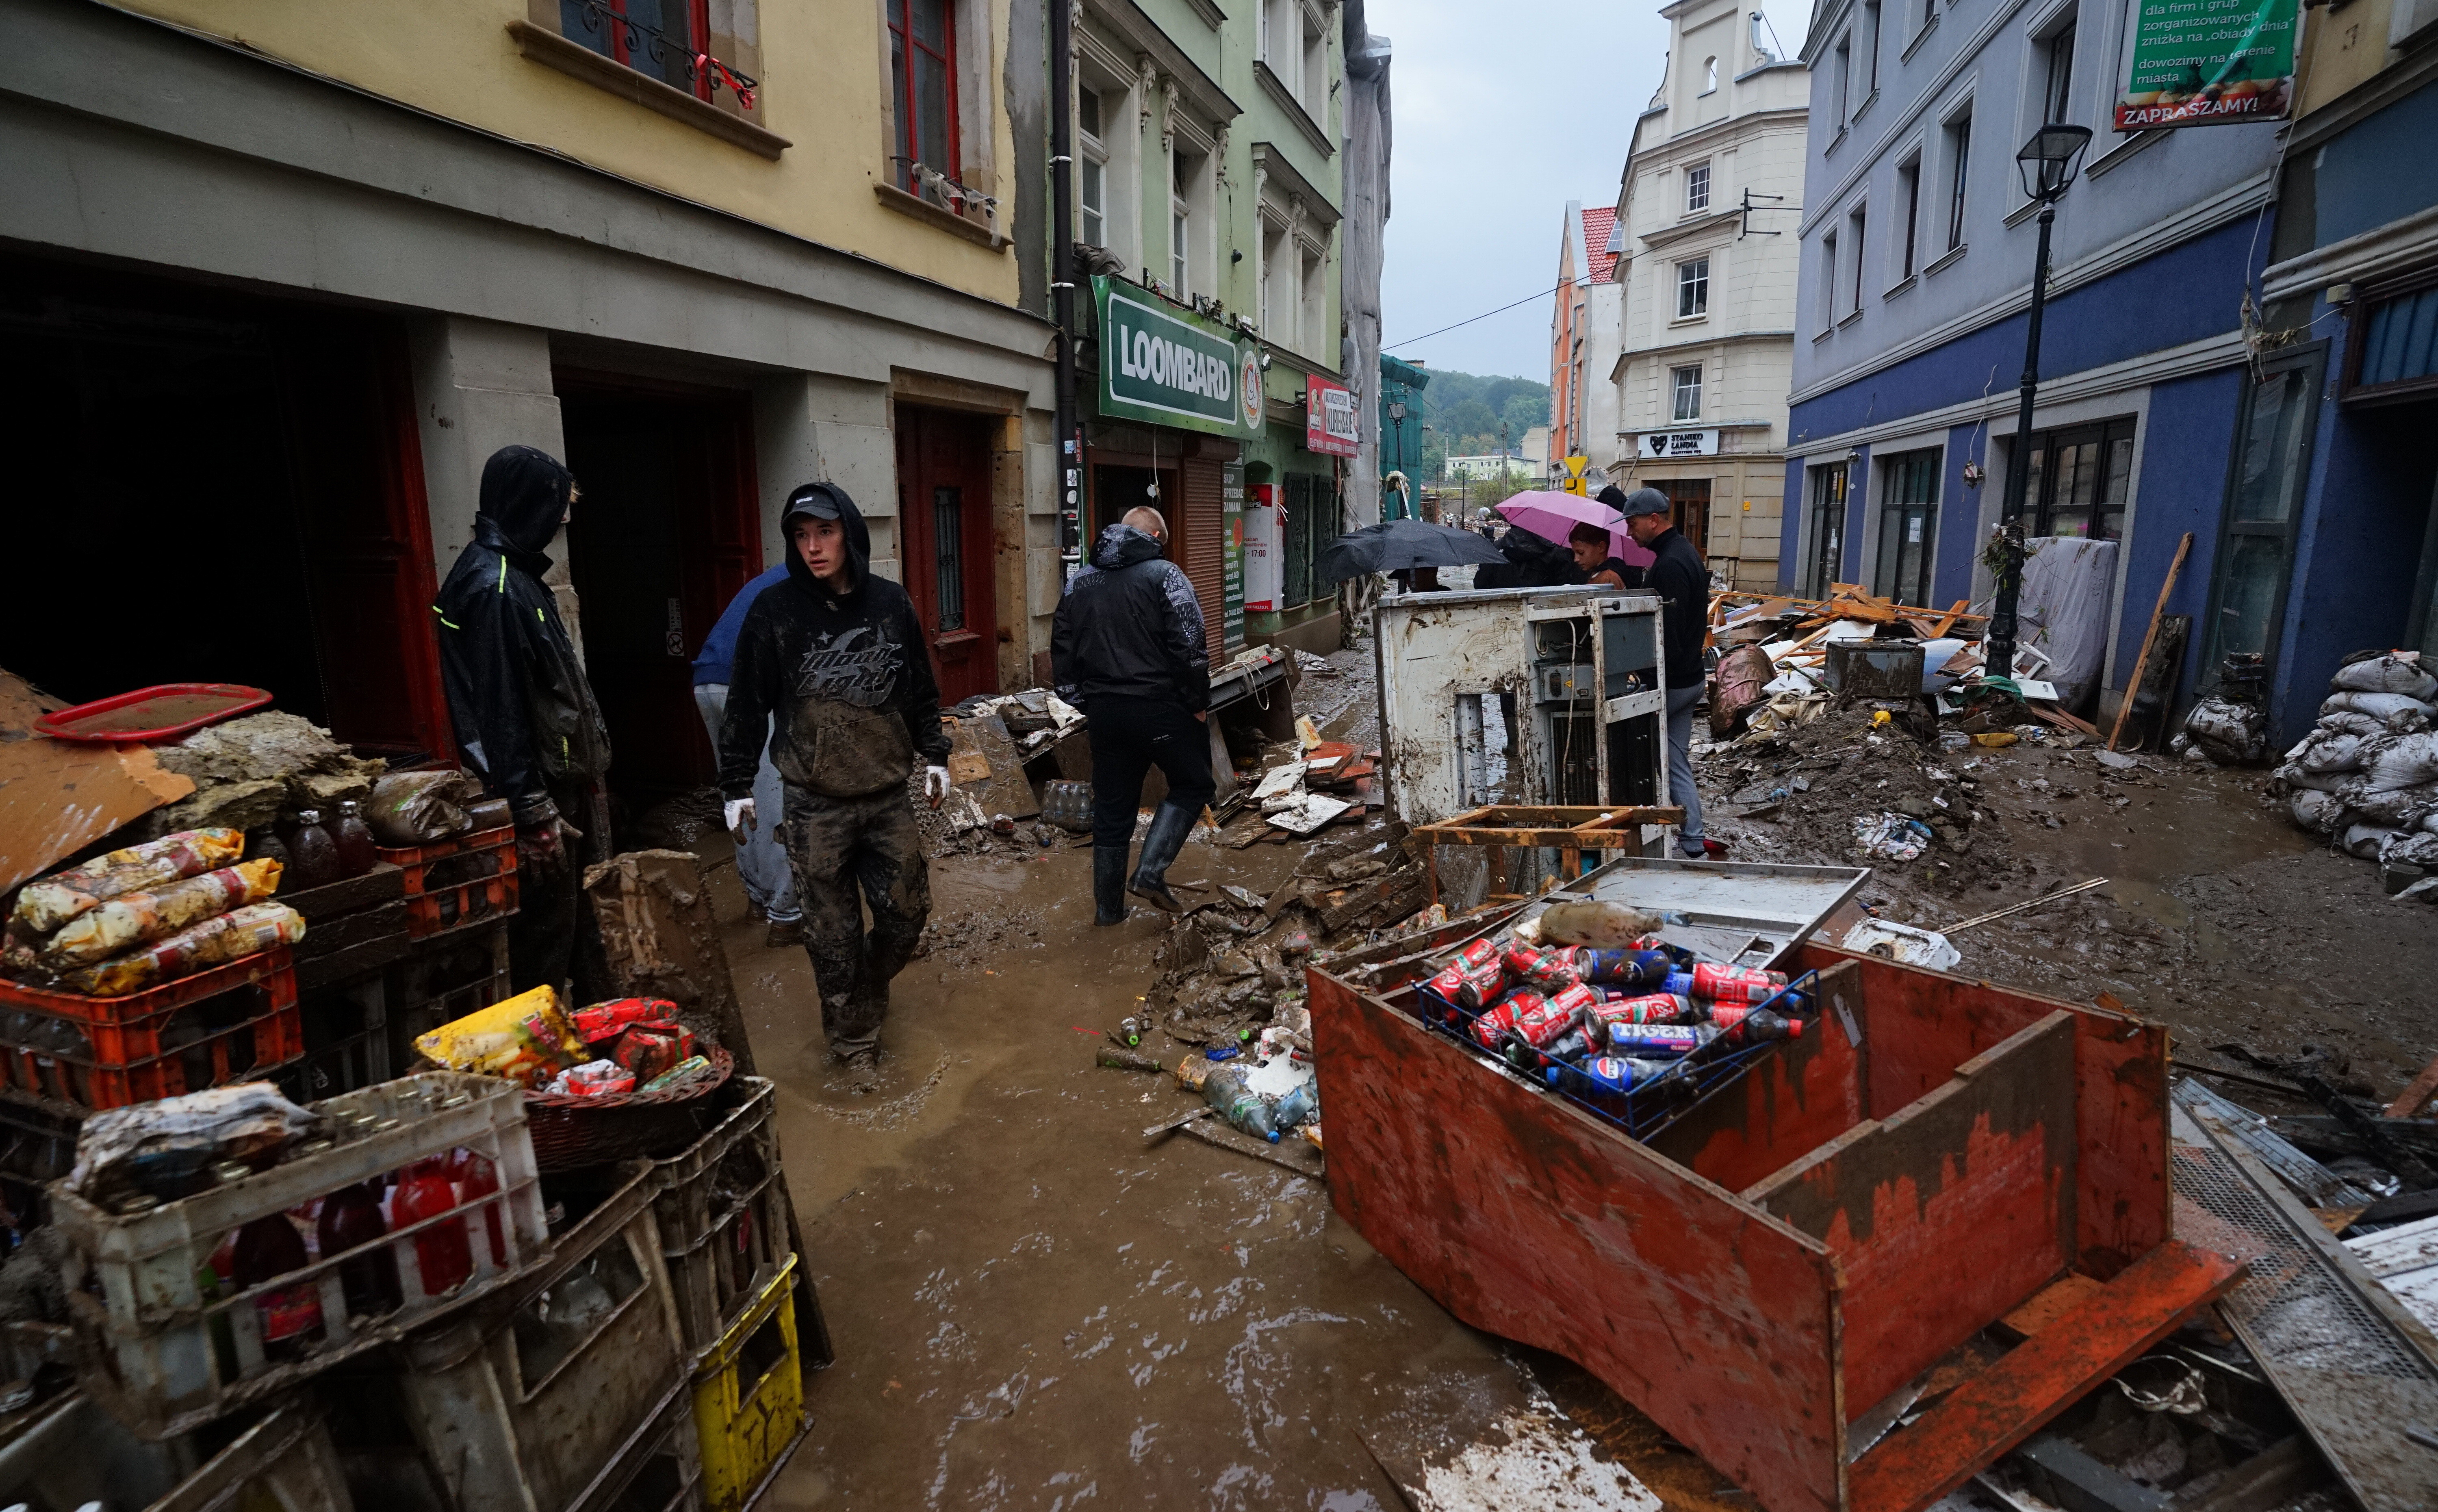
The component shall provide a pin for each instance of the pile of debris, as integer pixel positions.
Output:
(1234, 963)
(2367, 774)
(247, 770)
(1305, 786)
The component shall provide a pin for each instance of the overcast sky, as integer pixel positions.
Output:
(1503, 112)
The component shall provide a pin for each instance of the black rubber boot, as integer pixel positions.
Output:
(1170, 825)
(1109, 884)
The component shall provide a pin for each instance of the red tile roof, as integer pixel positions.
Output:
(1598, 220)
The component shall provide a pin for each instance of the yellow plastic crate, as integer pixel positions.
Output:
(749, 1398)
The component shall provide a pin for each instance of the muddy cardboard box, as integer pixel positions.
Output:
(1783, 1256)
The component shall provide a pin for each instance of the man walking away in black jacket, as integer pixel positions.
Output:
(836, 654)
(1678, 577)
(1128, 648)
(526, 722)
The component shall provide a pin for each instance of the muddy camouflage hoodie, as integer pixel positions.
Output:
(847, 675)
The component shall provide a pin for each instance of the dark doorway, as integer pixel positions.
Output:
(1689, 511)
(945, 543)
(1117, 489)
(664, 535)
(210, 487)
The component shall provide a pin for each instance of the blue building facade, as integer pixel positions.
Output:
(1917, 248)
(2340, 551)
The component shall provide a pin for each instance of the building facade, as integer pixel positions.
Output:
(2330, 544)
(298, 271)
(1211, 205)
(1697, 384)
(1584, 331)
(1917, 248)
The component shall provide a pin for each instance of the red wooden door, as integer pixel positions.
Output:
(945, 543)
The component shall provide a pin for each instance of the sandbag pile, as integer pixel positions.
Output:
(2367, 774)
(146, 914)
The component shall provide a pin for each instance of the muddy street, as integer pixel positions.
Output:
(1036, 1308)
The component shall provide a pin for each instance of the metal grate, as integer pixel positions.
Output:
(2355, 1369)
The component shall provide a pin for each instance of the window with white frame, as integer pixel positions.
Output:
(1909, 196)
(1191, 224)
(1314, 90)
(1841, 77)
(1278, 287)
(1692, 288)
(1957, 138)
(1697, 187)
(1866, 37)
(1684, 393)
(1313, 269)
(2057, 71)
(1091, 171)
(1828, 282)
(1854, 224)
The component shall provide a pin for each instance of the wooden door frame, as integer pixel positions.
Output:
(978, 512)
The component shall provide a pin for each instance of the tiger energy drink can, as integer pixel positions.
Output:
(1658, 1041)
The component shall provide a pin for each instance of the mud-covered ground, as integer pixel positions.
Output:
(2219, 916)
(1036, 1308)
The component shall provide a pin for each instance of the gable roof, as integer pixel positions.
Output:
(1598, 220)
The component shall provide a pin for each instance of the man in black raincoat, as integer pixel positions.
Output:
(526, 722)
(838, 656)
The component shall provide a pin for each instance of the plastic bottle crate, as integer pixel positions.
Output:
(454, 883)
(227, 1023)
(749, 1398)
(723, 1215)
(551, 1396)
(166, 1356)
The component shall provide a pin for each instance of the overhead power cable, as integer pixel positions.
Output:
(1484, 315)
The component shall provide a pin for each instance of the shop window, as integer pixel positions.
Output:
(922, 83)
(1908, 526)
(2273, 457)
(1826, 529)
(2080, 480)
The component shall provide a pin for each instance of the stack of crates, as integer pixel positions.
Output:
(726, 1230)
(72, 1055)
(452, 882)
(166, 1353)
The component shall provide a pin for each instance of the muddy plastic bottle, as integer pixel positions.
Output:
(314, 855)
(442, 1252)
(1752, 1025)
(1298, 1108)
(355, 840)
(266, 1248)
(1243, 1108)
(352, 1215)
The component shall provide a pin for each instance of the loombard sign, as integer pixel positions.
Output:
(1161, 365)
(2208, 62)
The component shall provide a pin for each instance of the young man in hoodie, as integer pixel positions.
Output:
(526, 719)
(831, 666)
(1127, 649)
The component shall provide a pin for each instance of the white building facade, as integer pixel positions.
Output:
(1709, 261)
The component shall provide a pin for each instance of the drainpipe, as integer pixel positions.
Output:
(1062, 280)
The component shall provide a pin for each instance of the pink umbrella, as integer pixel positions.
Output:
(1550, 514)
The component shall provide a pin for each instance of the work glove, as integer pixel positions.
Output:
(739, 816)
(543, 849)
(935, 784)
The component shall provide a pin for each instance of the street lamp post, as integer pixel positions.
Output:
(2047, 163)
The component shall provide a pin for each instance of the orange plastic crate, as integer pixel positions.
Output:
(461, 881)
(138, 1048)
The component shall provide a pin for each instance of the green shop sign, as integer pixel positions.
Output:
(2208, 62)
(1164, 365)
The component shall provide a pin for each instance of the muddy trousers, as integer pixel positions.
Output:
(1130, 737)
(848, 853)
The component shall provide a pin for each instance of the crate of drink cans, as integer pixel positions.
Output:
(1637, 1035)
(222, 1247)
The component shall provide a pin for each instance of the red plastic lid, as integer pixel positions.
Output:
(163, 712)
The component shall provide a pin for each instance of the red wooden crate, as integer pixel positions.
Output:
(456, 882)
(1773, 1264)
(137, 1051)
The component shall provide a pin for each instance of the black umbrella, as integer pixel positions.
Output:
(1397, 545)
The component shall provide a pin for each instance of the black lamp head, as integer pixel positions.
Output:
(2048, 161)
